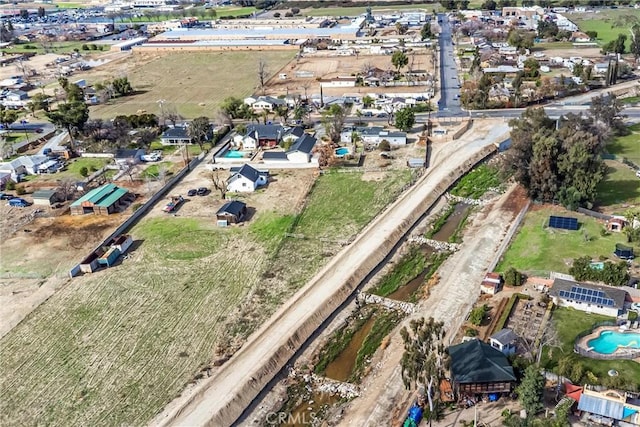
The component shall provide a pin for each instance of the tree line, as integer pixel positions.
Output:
(560, 160)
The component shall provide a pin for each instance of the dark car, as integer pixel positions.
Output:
(6, 196)
(202, 191)
(192, 192)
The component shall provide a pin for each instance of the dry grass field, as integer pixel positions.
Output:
(324, 66)
(195, 83)
(114, 347)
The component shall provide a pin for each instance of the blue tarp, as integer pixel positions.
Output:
(415, 413)
(627, 412)
(493, 397)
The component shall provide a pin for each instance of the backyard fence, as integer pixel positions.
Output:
(594, 214)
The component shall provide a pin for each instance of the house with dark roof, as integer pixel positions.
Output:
(505, 341)
(128, 156)
(599, 299)
(259, 136)
(231, 212)
(300, 151)
(246, 179)
(478, 368)
(373, 135)
(177, 135)
(292, 134)
(103, 200)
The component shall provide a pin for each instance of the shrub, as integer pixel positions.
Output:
(477, 314)
(471, 332)
(10, 186)
(288, 15)
(20, 191)
(295, 10)
(84, 47)
(84, 171)
(384, 145)
(513, 277)
(277, 15)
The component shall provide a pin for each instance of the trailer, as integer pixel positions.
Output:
(173, 204)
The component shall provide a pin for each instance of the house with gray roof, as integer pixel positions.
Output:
(259, 136)
(373, 135)
(590, 298)
(300, 151)
(478, 368)
(505, 341)
(177, 135)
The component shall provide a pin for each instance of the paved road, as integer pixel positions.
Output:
(55, 143)
(449, 103)
(31, 130)
(225, 395)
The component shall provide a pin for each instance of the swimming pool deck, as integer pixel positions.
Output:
(620, 353)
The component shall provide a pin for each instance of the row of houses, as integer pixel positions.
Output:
(16, 169)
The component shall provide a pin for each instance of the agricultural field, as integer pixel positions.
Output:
(607, 22)
(193, 83)
(114, 347)
(537, 248)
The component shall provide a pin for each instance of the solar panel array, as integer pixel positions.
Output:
(587, 295)
(564, 222)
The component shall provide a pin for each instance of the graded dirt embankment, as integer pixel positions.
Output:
(222, 399)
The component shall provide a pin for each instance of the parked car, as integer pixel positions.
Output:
(638, 173)
(18, 202)
(6, 196)
(192, 192)
(202, 191)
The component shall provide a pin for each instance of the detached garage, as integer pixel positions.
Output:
(45, 197)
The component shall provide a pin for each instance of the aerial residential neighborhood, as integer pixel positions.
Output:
(310, 213)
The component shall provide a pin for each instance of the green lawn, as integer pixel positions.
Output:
(537, 248)
(631, 100)
(477, 182)
(569, 323)
(201, 13)
(627, 146)
(603, 22)
(621, 186)
(73, 169)
(35, 47)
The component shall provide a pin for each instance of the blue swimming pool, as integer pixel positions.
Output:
(342, 151)
(234, 154)
(609, 341)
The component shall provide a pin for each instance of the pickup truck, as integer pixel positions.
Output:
(173, 204)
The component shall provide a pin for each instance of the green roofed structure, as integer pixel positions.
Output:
(103, 200)
(478, 368)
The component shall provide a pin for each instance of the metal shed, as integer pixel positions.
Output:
(45, 197)
(103, 200)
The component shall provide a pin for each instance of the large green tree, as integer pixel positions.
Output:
(121, 86)
(635, 41)
(7, 117)
(405, 119)
(424, 359)
(70, 115)
(530, 391)
(333, 119)
(199, 130)
(399, 59)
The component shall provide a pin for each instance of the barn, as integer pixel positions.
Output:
(103, 200)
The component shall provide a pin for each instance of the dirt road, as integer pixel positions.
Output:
(221, 399)
(449, 302)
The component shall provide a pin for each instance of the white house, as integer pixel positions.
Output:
(300, 151)
(373, 136)
(246, 179)
(505, 341)
(23, 165)
(342, 81)
(177, 135)
(590, 298)
(265, 103)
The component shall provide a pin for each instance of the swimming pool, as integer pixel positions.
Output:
(234, 154)
(342, 151)
(609, 341)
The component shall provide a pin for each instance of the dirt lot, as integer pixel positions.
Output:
(322, 65)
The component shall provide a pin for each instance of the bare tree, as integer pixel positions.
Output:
(171, 114)
(24, 69)
(219, 182)
(224, 119)
(67, 188)
(263, 73)
(6, 148)
(307, 85)
(367, 67)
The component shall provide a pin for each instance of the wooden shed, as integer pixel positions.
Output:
(45, 197)
(231, 212)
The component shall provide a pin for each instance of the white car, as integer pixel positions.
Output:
(638, 173)
(635, 307)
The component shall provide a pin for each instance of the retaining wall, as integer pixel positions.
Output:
(290, 327)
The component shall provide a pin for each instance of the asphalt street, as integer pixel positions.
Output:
(449, 103)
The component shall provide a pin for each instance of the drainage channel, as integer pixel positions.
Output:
(341, 368)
